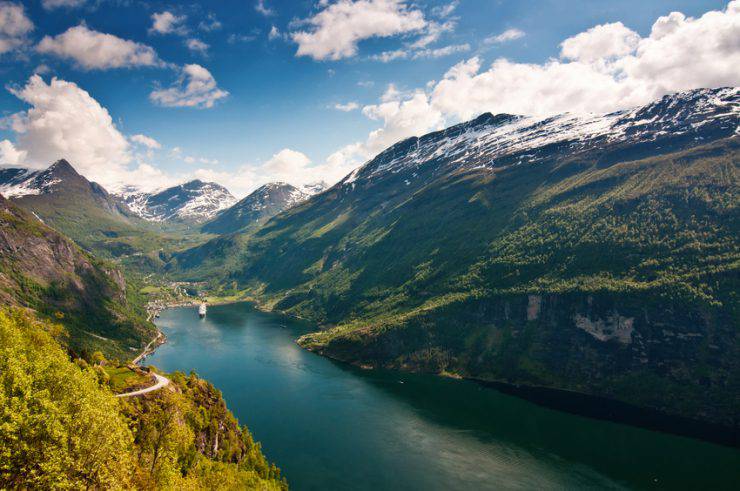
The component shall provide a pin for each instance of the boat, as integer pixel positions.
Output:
(202, 310)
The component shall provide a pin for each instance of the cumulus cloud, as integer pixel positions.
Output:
(14, 26)
(146, 141)
(10, 156)
(334, 32)
(504, 37)
(606, 68)
(168, 23)
(195, 87)
(604, 41)
(64, 121)
(197, 46)
(54, 4)
(93, 50)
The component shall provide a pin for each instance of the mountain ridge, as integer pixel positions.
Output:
(260, 205)
(489, 248)
(194, 201)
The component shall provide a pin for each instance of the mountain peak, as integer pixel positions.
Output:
(192, 201)
(61, 168)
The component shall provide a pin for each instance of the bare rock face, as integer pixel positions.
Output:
(613, 327)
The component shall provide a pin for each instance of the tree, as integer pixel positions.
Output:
(58, 427)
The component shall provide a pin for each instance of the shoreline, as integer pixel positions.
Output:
(571, 402)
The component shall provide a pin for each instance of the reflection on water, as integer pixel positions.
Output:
(332, 426)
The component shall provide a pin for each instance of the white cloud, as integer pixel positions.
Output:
(146, 141)
(196, 87)
(14, 26)
(440, 52)
(64, 121)
(11, 156)
(197, 46)
(287, 165)
(336, 30)
(506, 36)
(350, 106)
(432, 33)
(403, 54)
(274, 33)
(603, 69)
(263, 9)
(96, 50)
(603, 41)
(53, 4)
(386, 56)
(444, 10)
(168, 23)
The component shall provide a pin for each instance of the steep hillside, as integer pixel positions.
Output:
(261, 205)
(42, 270)
(192, 202)
(596, 254)
(62, 428)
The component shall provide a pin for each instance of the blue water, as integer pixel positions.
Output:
(331, 426)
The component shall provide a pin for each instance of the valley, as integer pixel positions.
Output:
(589, 255)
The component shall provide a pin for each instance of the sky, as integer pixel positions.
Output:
(150, 94)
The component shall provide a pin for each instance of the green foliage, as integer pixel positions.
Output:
(62, 428)
(58, 429)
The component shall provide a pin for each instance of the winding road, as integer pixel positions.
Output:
(162, 381)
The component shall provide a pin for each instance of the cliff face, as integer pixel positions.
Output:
(631, 347)
(43, 270)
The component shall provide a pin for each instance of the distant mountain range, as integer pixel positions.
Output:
(590, 253)
(262, 204)
(194, 201)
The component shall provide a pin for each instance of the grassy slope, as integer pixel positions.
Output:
(440, 280)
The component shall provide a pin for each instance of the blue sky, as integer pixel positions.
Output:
(278, 100)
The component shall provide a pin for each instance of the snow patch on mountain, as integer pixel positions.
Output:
(193, 201)
(503, 139)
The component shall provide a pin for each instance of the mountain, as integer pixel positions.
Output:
(84, 211)
(43, 270)
(262, 204)
(596, 254)
(192, 202)
(27, 186)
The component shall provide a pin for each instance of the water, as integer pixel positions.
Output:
(332, 426)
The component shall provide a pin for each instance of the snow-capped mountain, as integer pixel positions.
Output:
(194, 201)
(492, 141)
(260, 205)
(56, 186)
(18, 182)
